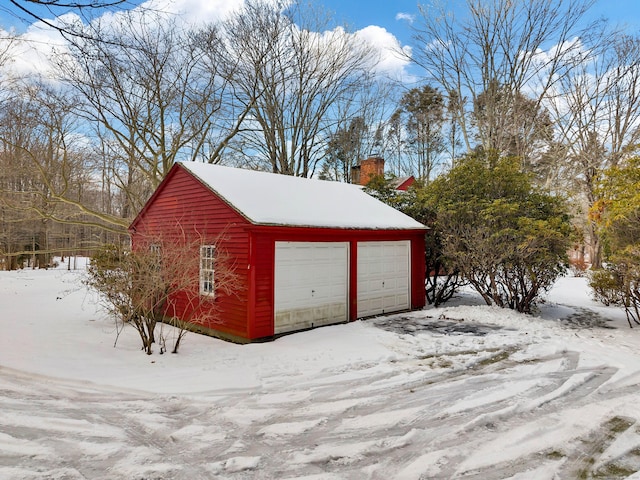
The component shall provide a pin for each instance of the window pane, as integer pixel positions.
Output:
(207, 253)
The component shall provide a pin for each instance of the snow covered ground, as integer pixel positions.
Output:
(464, 391)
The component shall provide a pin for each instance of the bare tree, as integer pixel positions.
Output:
(44, 180)
(521, 127)
(27, 6)
(596, 111)
(152, 95)
(421, 114)
(361, 121)
(501, 50)
(34, 11)
(294, 74)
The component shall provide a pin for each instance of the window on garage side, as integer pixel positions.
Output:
(155, 256)
(207, 270)
(154, 264)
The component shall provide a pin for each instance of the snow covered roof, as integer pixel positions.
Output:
(272, 199)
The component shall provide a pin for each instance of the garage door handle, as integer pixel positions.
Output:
(382, 284)
(312, 292)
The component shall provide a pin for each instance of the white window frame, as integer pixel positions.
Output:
(155, 259)
(207, 270)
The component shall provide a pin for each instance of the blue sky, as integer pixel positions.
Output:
(358, 14)
(388, 14)
(384, 13)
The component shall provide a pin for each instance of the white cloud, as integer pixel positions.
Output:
(31, 51)
(31, 54)
(405, 16)
(394, 59)
(195, 11)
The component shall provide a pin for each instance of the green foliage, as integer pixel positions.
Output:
(441, 282)
(506, 238)
(380, 187)
(618, 218)
(618, 213)
(605, 286)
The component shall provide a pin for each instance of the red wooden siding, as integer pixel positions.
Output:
(406, 183)
(183, 204)
(265, 260)
(418, 271)
(265, 251)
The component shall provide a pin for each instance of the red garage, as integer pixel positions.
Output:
(306, 252)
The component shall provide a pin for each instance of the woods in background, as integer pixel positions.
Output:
(280, 87)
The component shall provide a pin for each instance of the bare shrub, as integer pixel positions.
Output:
(156, 282)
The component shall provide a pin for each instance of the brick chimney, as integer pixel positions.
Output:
(367, 169)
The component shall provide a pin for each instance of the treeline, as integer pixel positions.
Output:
(280, 87)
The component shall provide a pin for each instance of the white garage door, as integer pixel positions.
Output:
(383, 277)
(311, 284)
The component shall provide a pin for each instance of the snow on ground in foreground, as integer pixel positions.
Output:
(464, 391)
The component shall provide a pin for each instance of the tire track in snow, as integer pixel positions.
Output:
(402, 419)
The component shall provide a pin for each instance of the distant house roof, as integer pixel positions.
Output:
(271, 199)
(402, 183)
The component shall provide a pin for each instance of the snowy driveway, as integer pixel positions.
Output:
(494, 396)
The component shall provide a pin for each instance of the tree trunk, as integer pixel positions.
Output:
(595, 247)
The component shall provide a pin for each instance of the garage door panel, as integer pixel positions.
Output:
(311, 284)
(392, 301)
(383, 277)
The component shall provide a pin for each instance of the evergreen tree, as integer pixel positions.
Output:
(442, 281)
(506, 237)
(343, 151)
(618, 216)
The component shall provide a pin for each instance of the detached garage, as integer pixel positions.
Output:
(306, 252)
